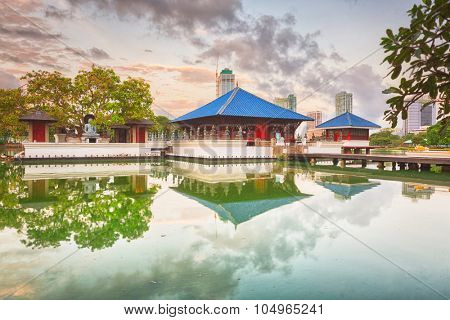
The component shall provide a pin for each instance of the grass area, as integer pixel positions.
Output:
(441, 178)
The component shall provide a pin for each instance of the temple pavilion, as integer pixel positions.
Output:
(240, 115)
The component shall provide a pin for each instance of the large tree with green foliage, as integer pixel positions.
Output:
(51, 92)
(419, 56)
(12, 106)
(98, 91)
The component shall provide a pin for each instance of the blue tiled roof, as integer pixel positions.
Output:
(347, 120)
(240, 103)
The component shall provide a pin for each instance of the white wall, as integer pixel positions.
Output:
(335, 147)
(216, 149)
(230, 172)
(356, 143)
(325, 147)
(90, 150)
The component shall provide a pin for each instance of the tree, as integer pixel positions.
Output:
(98, 91)
(132, 101)
(419, 55)
(12, 106)
(94, 92)
(438, 136)
(416, 138)
(50, 92)
(385, 138)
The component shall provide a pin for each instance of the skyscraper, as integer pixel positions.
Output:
(317, 116)
(226, 81)
(428, 115)
(419, 117)
(344, 102)
(290, 102)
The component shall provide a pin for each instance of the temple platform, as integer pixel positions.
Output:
(219, 149)
(48, 150)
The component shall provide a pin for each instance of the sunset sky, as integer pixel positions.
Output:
(274, 47)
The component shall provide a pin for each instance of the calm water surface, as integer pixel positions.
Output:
(240, 231)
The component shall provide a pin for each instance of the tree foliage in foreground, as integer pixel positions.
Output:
(419, 56)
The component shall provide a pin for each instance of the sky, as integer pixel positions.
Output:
(313, 49)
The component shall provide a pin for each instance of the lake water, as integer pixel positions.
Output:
(179, 230)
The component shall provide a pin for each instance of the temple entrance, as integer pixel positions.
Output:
(122, 135)
(336, 136)
(38, 132)
(141, 135)
(261, 131)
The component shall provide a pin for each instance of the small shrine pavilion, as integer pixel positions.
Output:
(351, 130)
(240, 115)
(38, 125)
(133, 131)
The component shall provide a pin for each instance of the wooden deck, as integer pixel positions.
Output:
(443, 161)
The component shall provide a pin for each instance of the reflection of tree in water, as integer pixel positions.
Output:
(50, 212)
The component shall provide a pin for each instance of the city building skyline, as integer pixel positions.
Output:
(344, 102)
(318, 118)
(225, 82)
(290, 102)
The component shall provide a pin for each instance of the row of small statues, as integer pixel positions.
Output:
(185, 134)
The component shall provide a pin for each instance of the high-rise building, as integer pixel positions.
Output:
(344, 102)
(428, 115)
(419, 117)
(290, 102)
(317, 116)
(225, 82)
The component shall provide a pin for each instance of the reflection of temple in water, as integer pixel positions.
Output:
(345, 186)
(42, 193)
(417, 191)
(241, 200)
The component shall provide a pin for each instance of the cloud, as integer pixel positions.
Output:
(26, 40)
(173, 17)
(8, 81)
(186, 73)
(28, 32)
(57, 13)
(271, 46)
(366, 86)
(98, 54)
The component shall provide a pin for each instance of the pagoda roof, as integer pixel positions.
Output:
(347, 120)
(240, 103)
(346, 186)
(38, 116)
(238, 207)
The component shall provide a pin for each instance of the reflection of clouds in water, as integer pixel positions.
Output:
(18, 264)
(208, 267)
(271, 242)
(168, 277)
(359, 210)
